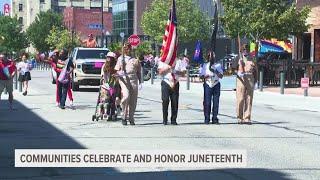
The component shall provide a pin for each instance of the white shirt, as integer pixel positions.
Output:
(156, 60)
(185, 61)
(24, 67)
(172, 77)
(213, 78)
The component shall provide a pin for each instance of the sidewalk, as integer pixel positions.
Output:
(266, 98)
(229, 83)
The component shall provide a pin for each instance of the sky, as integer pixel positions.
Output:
(2, 2)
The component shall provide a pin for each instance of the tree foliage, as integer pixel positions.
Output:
(115, 47)
(39, 30)
(144, 48)
(263, 19)
(192, 23)
(12, 39)
(60, 38)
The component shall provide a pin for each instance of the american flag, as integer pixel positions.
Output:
(170, 38)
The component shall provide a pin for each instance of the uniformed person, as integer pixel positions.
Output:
(129, 76)
(211, 88)
(170, 88)
(246, 78)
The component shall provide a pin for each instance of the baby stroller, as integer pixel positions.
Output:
(105, 103)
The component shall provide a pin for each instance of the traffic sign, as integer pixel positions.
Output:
(6, 9)
(134, 40)
(304, 83)
(122, 34)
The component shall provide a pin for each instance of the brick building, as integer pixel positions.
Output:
(140, 7)
(86, 21)
(308, 45)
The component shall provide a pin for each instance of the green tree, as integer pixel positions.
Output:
(115, 47)
(60, 38)
(263, 19)
(143, 49)
(11, 35)
(39, 30)
(192, 23)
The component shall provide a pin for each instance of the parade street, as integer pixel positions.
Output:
(283, 141)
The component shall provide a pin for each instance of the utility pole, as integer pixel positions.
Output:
(102, 26)
(72, 25)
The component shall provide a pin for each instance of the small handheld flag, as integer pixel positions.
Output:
(198, 56)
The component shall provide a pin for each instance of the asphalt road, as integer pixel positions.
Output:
(283, 142)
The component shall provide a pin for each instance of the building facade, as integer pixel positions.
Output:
(140, 7)
(27, 10)
(127, 14)
(122, 16)
(307, 46)
(87, 21)
(85, 4)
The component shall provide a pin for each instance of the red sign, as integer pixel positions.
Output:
(304, 83)
(134, 40)
(6, 9)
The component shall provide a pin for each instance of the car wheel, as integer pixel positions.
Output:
(75, 86)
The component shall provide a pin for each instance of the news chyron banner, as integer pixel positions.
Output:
(130, 158)
(5, 7)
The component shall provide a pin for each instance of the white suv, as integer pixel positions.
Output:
(87, 63)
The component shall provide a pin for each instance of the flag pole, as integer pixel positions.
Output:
(214, 36)
(241, 65)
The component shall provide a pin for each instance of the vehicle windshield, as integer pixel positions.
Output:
(91, 54)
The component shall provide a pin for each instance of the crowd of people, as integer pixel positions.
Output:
(121, 81)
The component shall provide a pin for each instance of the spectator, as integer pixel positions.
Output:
(7, 72)
(24, 67)
(90, 42)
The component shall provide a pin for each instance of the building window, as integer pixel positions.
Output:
(20, 20)
(20, 7)
(41, 1)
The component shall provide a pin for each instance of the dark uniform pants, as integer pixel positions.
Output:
(170, 94)
(211, 97)
(62, 92)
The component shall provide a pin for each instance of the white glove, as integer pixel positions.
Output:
(140, 87)
(121, 73)
(240, 74)
(213, 67)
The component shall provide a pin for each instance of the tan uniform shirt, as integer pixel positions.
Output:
(131, 65)
(249, 66)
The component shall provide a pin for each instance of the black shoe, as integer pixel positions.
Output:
(215, 121)
(25, 93)
(206, 122)
(165, 122)
(132, 123)
(62, 107)
(174, 123)
(124, 122)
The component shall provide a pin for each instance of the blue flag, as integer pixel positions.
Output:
(198, 56)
